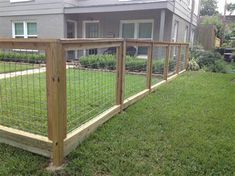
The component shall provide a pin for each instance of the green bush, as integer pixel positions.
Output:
(22, 57)
(193, 65)
(136, 64)
(98, 62)
(133, 64)
(219, 67)
(207, 60)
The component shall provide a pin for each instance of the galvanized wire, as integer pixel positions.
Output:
(159, 56)
(91, 87)
(135, 75)
(173, 60)
(23, 90)
(183, 58)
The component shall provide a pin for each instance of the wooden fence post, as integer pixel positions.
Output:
(178, 60)
(149, 67)
(56, 101)
(187, 56)
(166, 65)
(120, 55)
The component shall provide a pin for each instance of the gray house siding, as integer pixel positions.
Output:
(31, 8)
(113, 2)
(110, 22)
(48, 26)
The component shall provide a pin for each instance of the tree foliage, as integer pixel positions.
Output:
(208, 8)
(231, 8)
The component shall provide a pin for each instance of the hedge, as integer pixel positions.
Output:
(133, 64)
(22, 57)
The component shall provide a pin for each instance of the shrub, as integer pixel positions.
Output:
(133, 64)
(193, 65)
(207, 60)
(98, 61)
(219, 67)
(136, 64)
(158, 66)
(22, 57)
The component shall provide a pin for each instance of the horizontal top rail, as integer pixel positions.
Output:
(26, 43)
(80, 43)
(144, 42)
(90, 40)
(91, 43)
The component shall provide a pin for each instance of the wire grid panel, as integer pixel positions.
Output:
(91, 85)
(135, 75)
(159, 56)
(183, 58)
(173, 60)
(23, 102)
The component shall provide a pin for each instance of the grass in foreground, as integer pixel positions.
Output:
(8, 67)
(186, 128)
(23, 100)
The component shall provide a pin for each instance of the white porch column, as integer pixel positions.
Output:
(162, 25)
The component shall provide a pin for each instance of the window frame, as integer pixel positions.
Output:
(25, 30)
(136, 27)
(186, 32)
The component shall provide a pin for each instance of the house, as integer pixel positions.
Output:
(162, 20)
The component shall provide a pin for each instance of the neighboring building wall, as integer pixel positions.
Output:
(48, 26)
(207, 41)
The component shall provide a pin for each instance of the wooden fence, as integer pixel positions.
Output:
(59, 141)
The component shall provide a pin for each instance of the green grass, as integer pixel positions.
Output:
(89, 93)
(7, 67)
(186, 128)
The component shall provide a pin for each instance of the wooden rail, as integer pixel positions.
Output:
(58, 143)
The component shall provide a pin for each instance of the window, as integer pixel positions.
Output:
(192, 37)
(175, 35)
(186, 34)
(128, 30)
(24, 30)
(137, 29)
(19, 30)
(145, 30)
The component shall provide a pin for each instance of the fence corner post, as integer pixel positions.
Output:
(56, 100)
(178, 60)
(166, 65)
(149, 67)
(120, 58)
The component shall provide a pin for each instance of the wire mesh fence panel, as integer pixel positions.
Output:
(183, 58)
(173, 60)
(135, 71)
(159, 56)
(91, 85)
(23, 102)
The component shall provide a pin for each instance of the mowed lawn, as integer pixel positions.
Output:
(7, 67)
(187, 127)
(23, 100)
